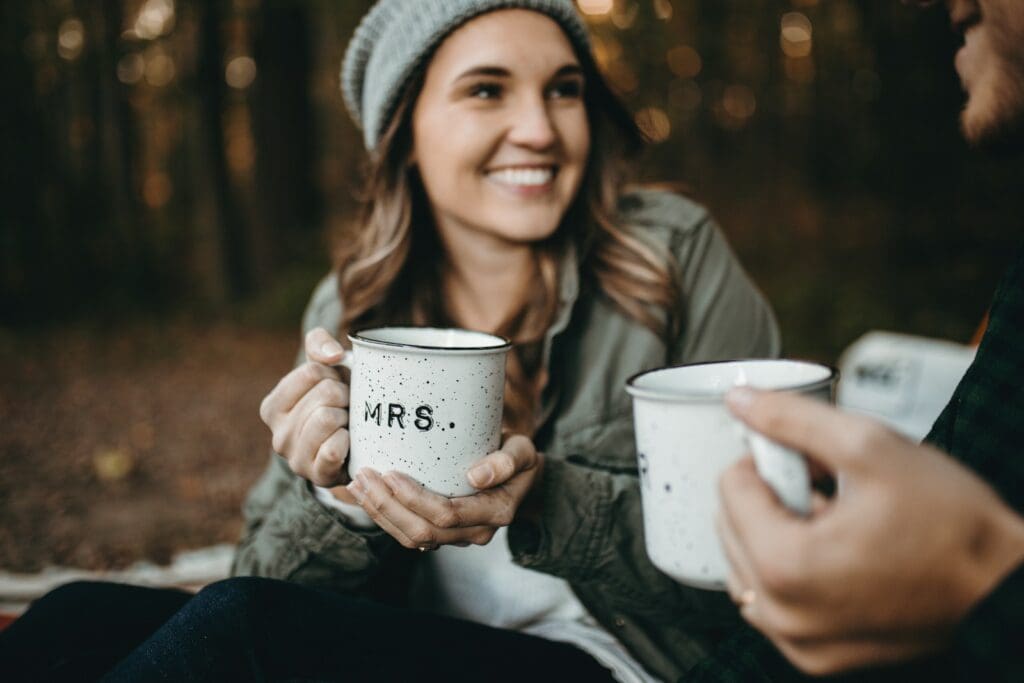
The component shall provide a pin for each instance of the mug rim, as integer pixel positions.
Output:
(717, 396)
(358, 337)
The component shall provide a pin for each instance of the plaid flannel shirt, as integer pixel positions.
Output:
(983, 427)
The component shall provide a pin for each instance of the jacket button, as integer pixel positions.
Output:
(620, 622)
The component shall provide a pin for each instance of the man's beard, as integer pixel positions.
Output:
(1001, 139)
(999, 128)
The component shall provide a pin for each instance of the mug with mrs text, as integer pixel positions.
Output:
(686, 437)
(426, 402)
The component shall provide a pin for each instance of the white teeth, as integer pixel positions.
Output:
(523, 177)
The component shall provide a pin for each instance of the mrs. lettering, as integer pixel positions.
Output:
(396, 413)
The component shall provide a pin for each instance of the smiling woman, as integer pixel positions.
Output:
(495, 200)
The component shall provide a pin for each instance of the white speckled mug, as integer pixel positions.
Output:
(426, 402)
(686, 437)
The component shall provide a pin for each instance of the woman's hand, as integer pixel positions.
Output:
(307, 412)
(885, 570)
(418, 518)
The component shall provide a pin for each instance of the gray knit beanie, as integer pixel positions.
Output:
(396, 36)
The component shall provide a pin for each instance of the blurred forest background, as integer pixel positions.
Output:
(173, 172)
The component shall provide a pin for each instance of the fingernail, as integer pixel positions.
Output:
(740, 399)
(331, 348)
(481, 475)
(357, 490)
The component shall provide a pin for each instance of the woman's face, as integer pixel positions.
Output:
(500, 132)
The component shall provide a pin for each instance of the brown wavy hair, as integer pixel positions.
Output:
(381, 283)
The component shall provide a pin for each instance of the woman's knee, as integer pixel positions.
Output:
(237, 596)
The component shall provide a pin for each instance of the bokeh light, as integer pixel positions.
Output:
(70, 39)
(156, 18)
(131, 68)
(795, 35)
(654, 123)
(596, 7)
(159, 67)
(624, 16)
(739, 102)
(240, 72)
(684, 61)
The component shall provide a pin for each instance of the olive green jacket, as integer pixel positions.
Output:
(591, 530)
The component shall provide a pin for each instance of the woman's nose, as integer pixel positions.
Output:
(531, 125)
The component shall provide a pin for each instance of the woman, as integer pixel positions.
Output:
(494, 201)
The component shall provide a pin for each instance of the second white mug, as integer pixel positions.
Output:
(686, 437)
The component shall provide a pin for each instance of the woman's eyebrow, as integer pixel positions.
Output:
(483, 70)
(501, 72)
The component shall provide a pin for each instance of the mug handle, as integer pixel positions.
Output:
(348, 360)
(783, 469)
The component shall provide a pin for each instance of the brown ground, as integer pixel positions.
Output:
(132, 445)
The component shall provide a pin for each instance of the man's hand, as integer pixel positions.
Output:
(882, 572)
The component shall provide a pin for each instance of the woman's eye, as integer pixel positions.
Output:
(567, 90)
(485, 91)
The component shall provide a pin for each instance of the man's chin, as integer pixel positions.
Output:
(1004, 138)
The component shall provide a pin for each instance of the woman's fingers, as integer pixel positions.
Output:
(323, 422)
(386, 508)
(290, 390)
(517, 454)
(359, 490)
(321, 347)
(329, 461)
(327, 393)
(492, 508)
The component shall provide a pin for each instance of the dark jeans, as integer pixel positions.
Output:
(255, 629)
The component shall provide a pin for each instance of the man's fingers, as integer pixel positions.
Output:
(742, 577)
(770, 537)
(321, 347)
(826, 657)
(517, 454)
(830, 437)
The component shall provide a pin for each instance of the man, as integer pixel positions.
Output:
(918, 557)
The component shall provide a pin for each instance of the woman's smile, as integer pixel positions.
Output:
(523, 181)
